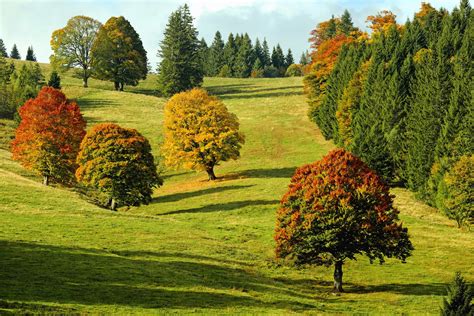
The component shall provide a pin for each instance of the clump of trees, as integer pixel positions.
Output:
(200, 132)
(48, 137)
(335, 209)
(118, 162)
(181, 66)
(118, 55)
(399, 98)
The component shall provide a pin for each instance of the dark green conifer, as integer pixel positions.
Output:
(54, 80)
(230, 54)
(216, 55)
(266, 59)
(30, 55)
(3, 49)
(289, 60)
(15, 54)
(459, 300)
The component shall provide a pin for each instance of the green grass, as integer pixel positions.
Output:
(204, 246)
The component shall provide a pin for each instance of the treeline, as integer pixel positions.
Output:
(240, 58)
(15, 54)
(401, 99)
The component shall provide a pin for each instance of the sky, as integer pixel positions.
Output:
(288, 22)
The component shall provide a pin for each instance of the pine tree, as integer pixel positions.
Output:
(245, 58)
(459, 301)
(230, 53)
(258, 49)
(304, 59)
(30, 55)
(204, 56)
(278, 59)
(180, 68)
(216, 55)
(289, 60)
(266, 59)
(346, 26)
(54, 80)
(14, 53)
(3, 49)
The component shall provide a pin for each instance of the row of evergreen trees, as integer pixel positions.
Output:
(402, 100)
(239, 57)
(15, 54)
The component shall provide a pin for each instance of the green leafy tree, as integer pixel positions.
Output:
(180, 68)
(335, 209)
(30, 55)
(72, 45)
(3, 49)
(294, 70)
(8, 105)
(15, 54)
(54, 80)
(216, 55)
(117, 162)
(459, 300)
(118, 54)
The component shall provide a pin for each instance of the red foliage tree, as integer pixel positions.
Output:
(48, 137)
(335, 209)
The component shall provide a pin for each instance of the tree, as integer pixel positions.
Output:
(289, 60)
(382, 21)
(459, 301)
(118, 54)
(337, 208)
(294, 70)
(346, 26)
(54, 80)
(230, 53)
(200, 132)
(266, 59)
(48, 137)
(3, 49)
(30, 55)
(7, 104)
(278, 58)
(204, 56)
(216, 55)
(245, 58)
(304, 59)
(14, 53)
(118, 163)
(25, 84)
(180, 68)
(72, 45)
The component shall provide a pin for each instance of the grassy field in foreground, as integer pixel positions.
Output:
(204, 246)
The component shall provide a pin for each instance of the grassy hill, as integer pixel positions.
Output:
(203, 246)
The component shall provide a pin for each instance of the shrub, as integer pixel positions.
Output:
(335, 209)
(459, 298)
(294, 70)
(271, 72)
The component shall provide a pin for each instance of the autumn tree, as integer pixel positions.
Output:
(118, 163)
(337, 208)
(382, 21)
(72, 45)
(180, 68)
(48, 137)
(200, 132)
(15, 54)
(30, 55)
(118, 55)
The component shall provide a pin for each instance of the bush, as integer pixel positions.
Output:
(271, 72)
(335, 209)
(294, 70)
(225, 72)
(459, 298)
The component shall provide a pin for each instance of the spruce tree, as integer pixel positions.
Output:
(245, 58)
(304, 59)
(216, 55)
(54, 80)
(266, 59)
(14, 53)
(346, 26)
(204, 56)
(30, 55)
(180, 68)
(459, 300)
(3, 49)
(289, 60)
(230, 53)
(258, 49)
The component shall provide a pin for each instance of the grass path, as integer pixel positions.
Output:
(204, 246)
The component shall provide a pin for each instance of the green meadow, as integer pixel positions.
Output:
(203, 247)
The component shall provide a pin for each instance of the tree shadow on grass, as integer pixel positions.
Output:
(228, 89)
(230, 206)
(185, 195)
(150, 92)
(255, 95)
(268, 173)
(95, 103)
(32, 272)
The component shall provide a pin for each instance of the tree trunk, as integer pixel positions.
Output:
(338, 277)
(46, 180)
(121, 86)
(84, 77)
(210, 173)
(116, 85)
(113, 204)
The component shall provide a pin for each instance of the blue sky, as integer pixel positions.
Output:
(288, 22)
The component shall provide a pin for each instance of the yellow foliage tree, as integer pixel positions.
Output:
(200, 132)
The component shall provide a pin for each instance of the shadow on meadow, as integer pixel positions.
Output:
(229, 206)
(185, 195)
(268, 173)
(33, 272)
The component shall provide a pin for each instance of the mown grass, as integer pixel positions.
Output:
(202, 246)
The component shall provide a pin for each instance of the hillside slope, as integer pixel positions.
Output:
(202, 246)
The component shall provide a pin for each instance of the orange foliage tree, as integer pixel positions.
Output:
(48, 137)
(118, 163)
(382, 21)
(335, 209)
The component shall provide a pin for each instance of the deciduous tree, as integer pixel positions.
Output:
(72, 45)
(118, 162)
(200, 132)
(335, 209)
(48, 137)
